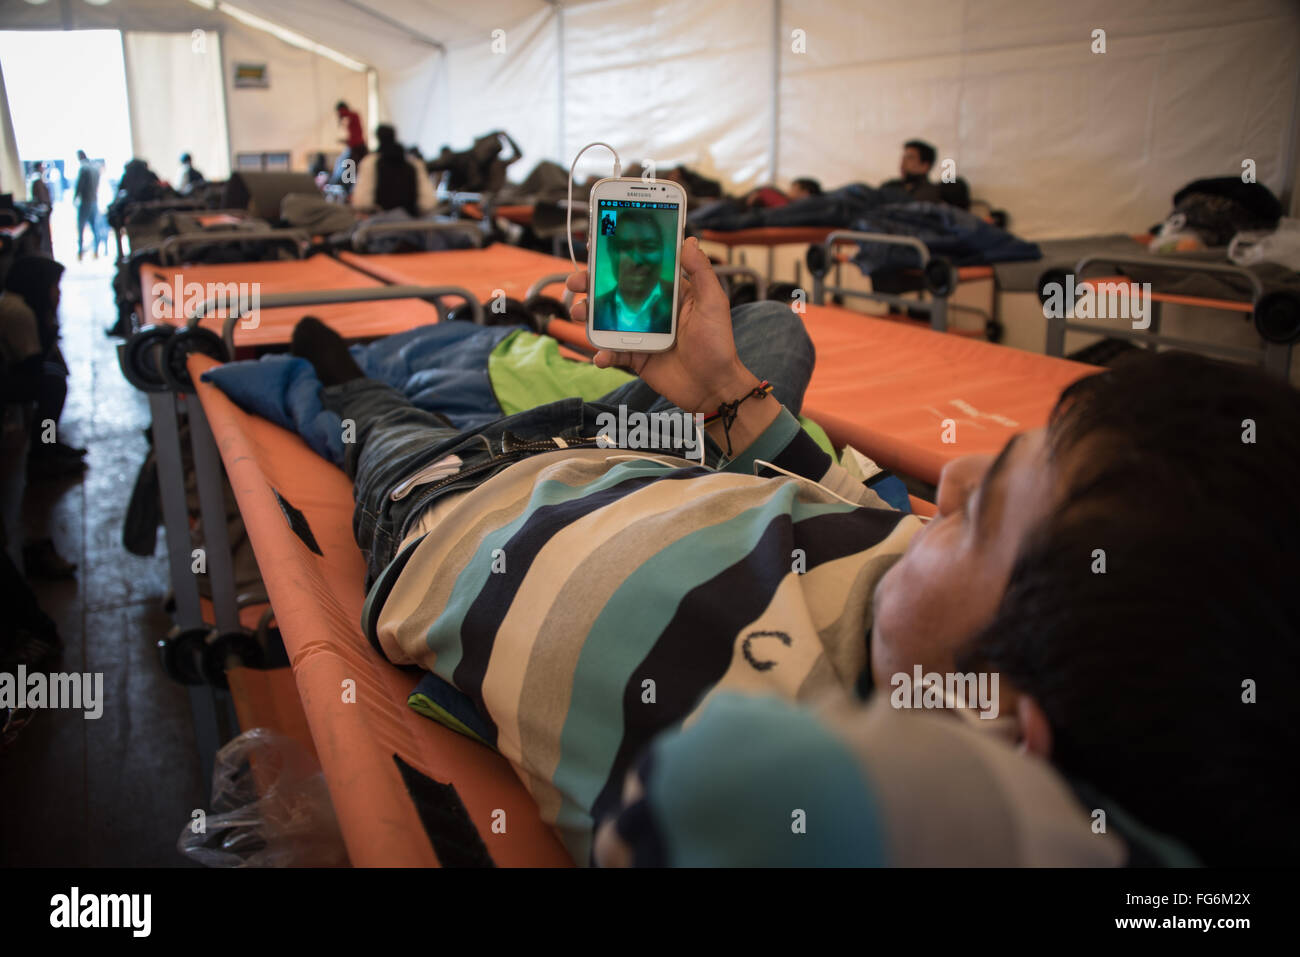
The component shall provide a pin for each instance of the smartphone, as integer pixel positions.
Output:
(634, 250)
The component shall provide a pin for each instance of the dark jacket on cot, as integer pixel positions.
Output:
(395, 183)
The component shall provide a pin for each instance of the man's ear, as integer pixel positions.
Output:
(1035, 731)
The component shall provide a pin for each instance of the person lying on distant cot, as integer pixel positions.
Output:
(580, 604)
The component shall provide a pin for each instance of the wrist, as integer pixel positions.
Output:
(736, 382)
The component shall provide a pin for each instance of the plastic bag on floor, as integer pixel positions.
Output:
(270, 808)
(1281, 245)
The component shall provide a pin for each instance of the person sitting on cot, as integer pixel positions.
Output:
(577, 604)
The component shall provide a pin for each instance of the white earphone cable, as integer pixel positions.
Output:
(618, 171)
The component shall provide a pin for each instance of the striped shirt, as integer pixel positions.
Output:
(759, 782)
(585, 600)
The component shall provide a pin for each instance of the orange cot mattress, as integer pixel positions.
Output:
(887, 387)
(354, 700)
(356, 320)
(481, 271)
(767, 235)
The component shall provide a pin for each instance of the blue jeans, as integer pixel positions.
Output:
(86, 214)
(394, 439)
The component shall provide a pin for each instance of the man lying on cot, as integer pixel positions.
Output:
(1127, 573)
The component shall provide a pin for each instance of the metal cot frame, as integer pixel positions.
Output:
(212, 708)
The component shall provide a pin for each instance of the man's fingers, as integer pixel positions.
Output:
(577, 281)
(704, 281)
(605, 359)
(578, 312)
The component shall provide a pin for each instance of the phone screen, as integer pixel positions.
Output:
(635, 266)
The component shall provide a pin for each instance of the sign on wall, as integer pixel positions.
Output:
(251, 75)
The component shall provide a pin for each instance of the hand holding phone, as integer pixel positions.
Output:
(701, 370)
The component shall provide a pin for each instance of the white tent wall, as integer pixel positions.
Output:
(674, 82)
(175, 93)
(414, 99)
(11, 167)
(509, 82)
(296, 110)
(1069, 141)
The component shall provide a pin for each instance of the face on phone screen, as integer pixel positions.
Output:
(635, 266)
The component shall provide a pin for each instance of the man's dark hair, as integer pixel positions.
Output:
(340, 105)
(186, 159)
(923, 149)
(1182, 480)
(637, 216)
(809, 185)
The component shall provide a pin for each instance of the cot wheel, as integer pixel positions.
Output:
(141, 362)
(543, 309)
(215, 652)
(816, 260)
(940, 277)
(180, 346)
(1277, 317)
(182, 655)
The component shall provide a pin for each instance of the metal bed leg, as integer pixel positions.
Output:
(216, 545)
(171, 481)
(939, 314)
(1055, 342)
(1277, 359)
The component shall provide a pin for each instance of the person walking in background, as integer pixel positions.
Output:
(40, 190)
(106, 194)
(86, 196)
(354, 142)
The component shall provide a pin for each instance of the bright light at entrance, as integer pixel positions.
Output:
(67, 91)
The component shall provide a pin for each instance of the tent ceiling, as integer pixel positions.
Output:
(387, 34)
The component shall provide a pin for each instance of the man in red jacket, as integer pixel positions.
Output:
(355, 149)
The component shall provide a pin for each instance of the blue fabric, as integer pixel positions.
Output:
(285, 390)
(441, 368)
(893, 491)
(959, 236)
(455, 703)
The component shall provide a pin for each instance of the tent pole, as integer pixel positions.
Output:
(773, 147)
(559, 93)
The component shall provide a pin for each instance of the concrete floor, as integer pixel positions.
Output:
(116, 791)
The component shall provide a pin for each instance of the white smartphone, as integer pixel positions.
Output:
(634, 251)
